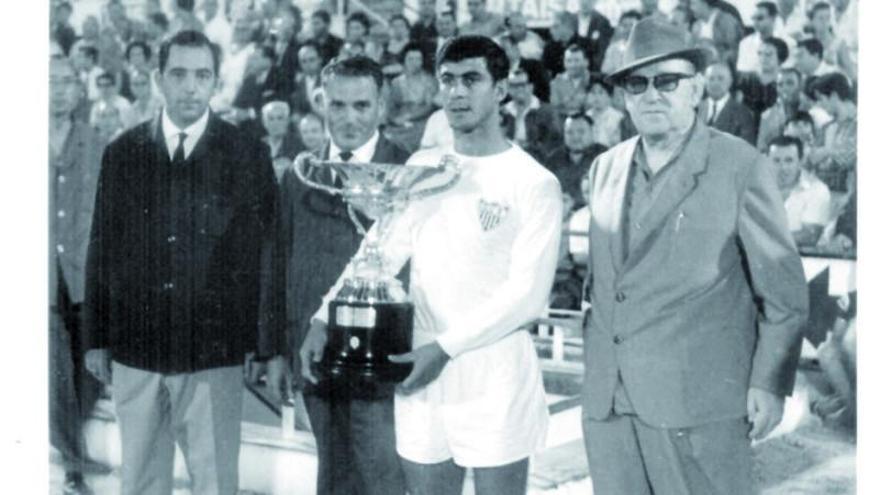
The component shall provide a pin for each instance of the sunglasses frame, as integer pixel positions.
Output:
(675, 79)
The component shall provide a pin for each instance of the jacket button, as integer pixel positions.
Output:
(620, 297)
(617, 339)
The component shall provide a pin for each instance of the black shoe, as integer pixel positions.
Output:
(75, 485)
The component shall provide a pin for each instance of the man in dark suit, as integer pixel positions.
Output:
(282, 138)
(183, 279)
(307, 80)
(355, 438)
(572, 160)
(285, 29)
(535, 128)
(257, 89)
(563, 33)
(698, 293)
(721, 110)
(327, 43)
(596, 31)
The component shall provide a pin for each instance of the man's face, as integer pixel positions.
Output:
(311, 132)
(116, 12)
(577, 134)
(575, 63)
(427, 7)
(561, 30)
(519, 88)
(718, 81)
(63, 88)
(763, 22)
(140, 86)
(412, 61)
(787, 164)
(657, 113)
(355, 31)
(800, 130)
(137, 57)
(598, 98)
(353, 108)
(276, 121)
(62, 15)
(107, 120)
(398, 29)
(470, 97)
(188, 82)
(805, 62)
(242, 30)
(586, 6)
(106, 89)
(516, 23)
(319, 27)
(788, 87)
(767, 57)
(285, 27)
(446, 25)
(476, 7)
(309, 60)
(821, 21)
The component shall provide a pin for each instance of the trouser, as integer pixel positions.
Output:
(201, 411)
(73, 391)
(628, 457)
(356, 447)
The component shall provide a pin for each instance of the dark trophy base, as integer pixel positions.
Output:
(360, 337)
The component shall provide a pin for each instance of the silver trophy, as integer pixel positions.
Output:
(371, 316)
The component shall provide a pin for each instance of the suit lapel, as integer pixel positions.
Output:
(205, 143)
(690, 164)
(619, 178)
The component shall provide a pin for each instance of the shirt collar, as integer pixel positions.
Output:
(193, 133)
(640, 160)
(719, 103)
(363, 154)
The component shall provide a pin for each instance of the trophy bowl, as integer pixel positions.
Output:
(371, 316)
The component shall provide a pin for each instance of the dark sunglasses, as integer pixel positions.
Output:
(636, 85)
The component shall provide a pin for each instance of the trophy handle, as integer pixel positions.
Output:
(447, 161)
(304, 166)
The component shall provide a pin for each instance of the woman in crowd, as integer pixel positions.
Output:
(759, 88)
(411, 98)
(312, 132)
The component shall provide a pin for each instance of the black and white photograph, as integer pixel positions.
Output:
(441, 247)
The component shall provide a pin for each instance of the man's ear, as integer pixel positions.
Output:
(501, 90)
(699, 85)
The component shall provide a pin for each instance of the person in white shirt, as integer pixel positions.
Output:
(482, 259)
(807, 199)
(607, 119)
(530, 44)
(792, 17)
(108, 95)
(217, 28)
(764, 22)
(437, 134)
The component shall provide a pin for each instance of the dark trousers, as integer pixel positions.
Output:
(73, 391)
(356, 446)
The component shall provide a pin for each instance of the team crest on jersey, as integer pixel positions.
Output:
(492, 214)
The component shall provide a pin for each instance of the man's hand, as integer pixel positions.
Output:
(765, 411)
(276, 377)
(312, 349)
(98, 364)
(428, 361)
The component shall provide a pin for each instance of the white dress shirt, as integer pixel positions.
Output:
(808, 203)
(363, 154)
(193, 133)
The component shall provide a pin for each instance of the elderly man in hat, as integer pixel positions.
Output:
(698, 295)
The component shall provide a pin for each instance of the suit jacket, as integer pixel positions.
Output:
(711, 299)
(543, 133)
(554, 52)
(183, 273)
(570, 173)
(598, 37)
(73, 179)
(735, 118)
(283, 73)
(320, 240)
(300, 102)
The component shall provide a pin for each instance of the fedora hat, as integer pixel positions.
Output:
(652, 40)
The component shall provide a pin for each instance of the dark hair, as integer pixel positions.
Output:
(784, 141)
(817, 7)
(148, 52)
(475, 46)
(801, 116)
(357, 66)
(770, 7)
(400, 17)
(581, 115)
(294, 11)
(633, 14)
(414, 46)
(323, 15)
(90, 51)
(310, 44)
(192, 39)
(780, 46)
(792, 70)
(159, 19)
(602, 83)
(813, 46)
(186, 5)
(576, 47)
(833, 83)
(361, 19)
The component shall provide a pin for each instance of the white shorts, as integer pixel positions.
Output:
(487, 408)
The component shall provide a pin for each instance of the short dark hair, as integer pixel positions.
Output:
(415, 46)
(90, 52)
(148, 52)
(784, 141)
(813, 46)
(631, 14)
(580, 116)
(361, 19)
(323, 15)
(780, 46)
(833, 83)
(817, 7)
(357, 66)
(159, 19)
(576, 47)
(770, 7)
(802, 116)
(192, 39)
(475, 46)
(602, 83)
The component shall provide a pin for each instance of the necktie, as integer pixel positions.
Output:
(179, 156)
(345, 155)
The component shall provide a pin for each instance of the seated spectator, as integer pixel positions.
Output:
(764, 21)
(185, 17)
(328, 44)
(283, 37)
(788, 102)
(254, 92)
(801, 125)
(758, 89)
(307, 81)
(312, 132)
(425, 27)
(146, 106)
(792, 18)
(156, 30)
(809, 60)
(614, 53)
(718, 26)
(535, 128)
(579, 223)
(234, 63)
(216, 25)
(835, 52)
(108, 95)
(357, 27)
(482, 21)
(537, 75)
(137, 58)
(682, 17)
(529, 43)
(284, 144)
(107, 121)
(607, 119)
(568, 90)
(563, 32)
(721, 110)
(62, 31)
(837, 155)
(399, 38)
(596, 30)
(438, 133)
(86, 63)
(447, 27)
(572, 160)
(410, 99)
(807, 199)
